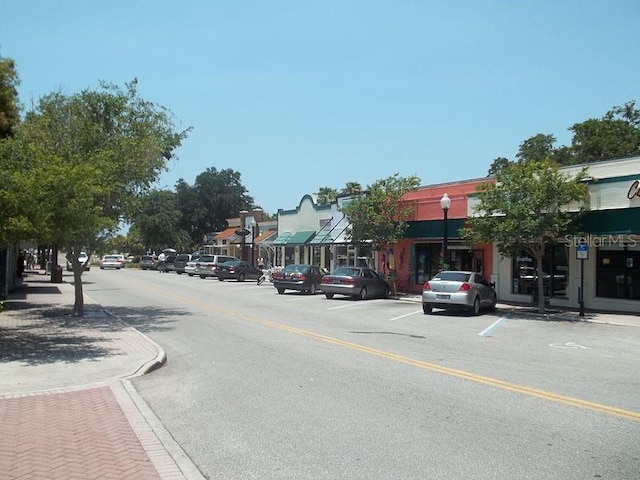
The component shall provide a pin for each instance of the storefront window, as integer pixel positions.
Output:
(618, 274)
(427, 261)
(554, 271)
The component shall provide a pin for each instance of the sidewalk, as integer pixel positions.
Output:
(67, 407)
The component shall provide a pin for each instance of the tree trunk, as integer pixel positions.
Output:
(78, 306)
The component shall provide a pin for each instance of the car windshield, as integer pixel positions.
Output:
(347, 272)
(182, 257)
(111, 257)
(453, 276)
(205, 258)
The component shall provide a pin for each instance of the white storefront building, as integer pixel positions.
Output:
(603, 260)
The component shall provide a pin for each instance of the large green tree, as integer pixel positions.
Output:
(215, 196)
(378, 215)
(90, 155)
(9, 102)
(14, 217)
(595, 140)
(615, 135)
(529, 206)
(158, 222)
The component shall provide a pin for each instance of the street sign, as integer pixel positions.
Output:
(582, 251)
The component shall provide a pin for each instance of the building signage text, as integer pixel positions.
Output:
(634, 190)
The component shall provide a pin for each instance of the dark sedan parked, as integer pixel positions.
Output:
(180, 262)
(355, 282)
(300, 277)
(237, 270)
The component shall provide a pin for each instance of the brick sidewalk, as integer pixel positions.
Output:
(67, 408)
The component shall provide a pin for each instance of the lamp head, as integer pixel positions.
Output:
(445, 202)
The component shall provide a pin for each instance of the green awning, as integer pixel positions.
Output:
(282, 238)
(434, 228)
(611, 222)
(300, 238)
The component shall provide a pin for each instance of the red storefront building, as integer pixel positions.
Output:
(419, 255)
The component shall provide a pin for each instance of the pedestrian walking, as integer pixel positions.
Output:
(162, 258)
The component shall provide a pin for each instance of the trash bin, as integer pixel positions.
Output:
(56, 274)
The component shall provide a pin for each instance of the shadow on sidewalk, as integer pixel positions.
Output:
(35, 345)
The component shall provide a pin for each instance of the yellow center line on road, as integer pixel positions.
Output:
(493, 382)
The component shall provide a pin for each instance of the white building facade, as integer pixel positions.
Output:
(601, 264)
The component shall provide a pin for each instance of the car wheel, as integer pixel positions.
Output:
(203, 276)
(191, 274)
(426, 309)
(475, 310)
(329, 295)
(101, 268)
(312, 289)
(179, 273)
(280, 291)
(363, 294)
(220, 279)
(241, 277)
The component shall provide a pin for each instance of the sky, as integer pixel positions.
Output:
(299, 95)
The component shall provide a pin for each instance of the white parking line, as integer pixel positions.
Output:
(487, 331)
(353, 303)
(405, 315)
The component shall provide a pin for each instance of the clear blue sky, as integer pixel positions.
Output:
(297, 95)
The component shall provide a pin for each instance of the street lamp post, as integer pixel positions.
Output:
(445, 203)
(254, 234)
(243, 216)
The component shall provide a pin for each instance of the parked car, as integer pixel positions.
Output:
(355, 282)
(238, 270)
(148, 262)
(180, 262)
(112, 261)
(458, 290)
(190, 267)
(207, 265)
(300, 277)
(84, 259)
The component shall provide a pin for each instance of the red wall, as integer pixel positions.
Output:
(426, 202)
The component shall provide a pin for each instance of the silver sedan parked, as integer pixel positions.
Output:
(458, 290)
(355, 282)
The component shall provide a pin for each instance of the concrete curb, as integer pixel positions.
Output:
(148, 367)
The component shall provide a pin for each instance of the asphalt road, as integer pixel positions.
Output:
(266, 386)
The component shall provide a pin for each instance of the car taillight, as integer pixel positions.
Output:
(426, 286)
(348, 281)
(325, 280)
(465, 287)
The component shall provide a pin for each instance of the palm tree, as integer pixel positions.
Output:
(326, 195)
